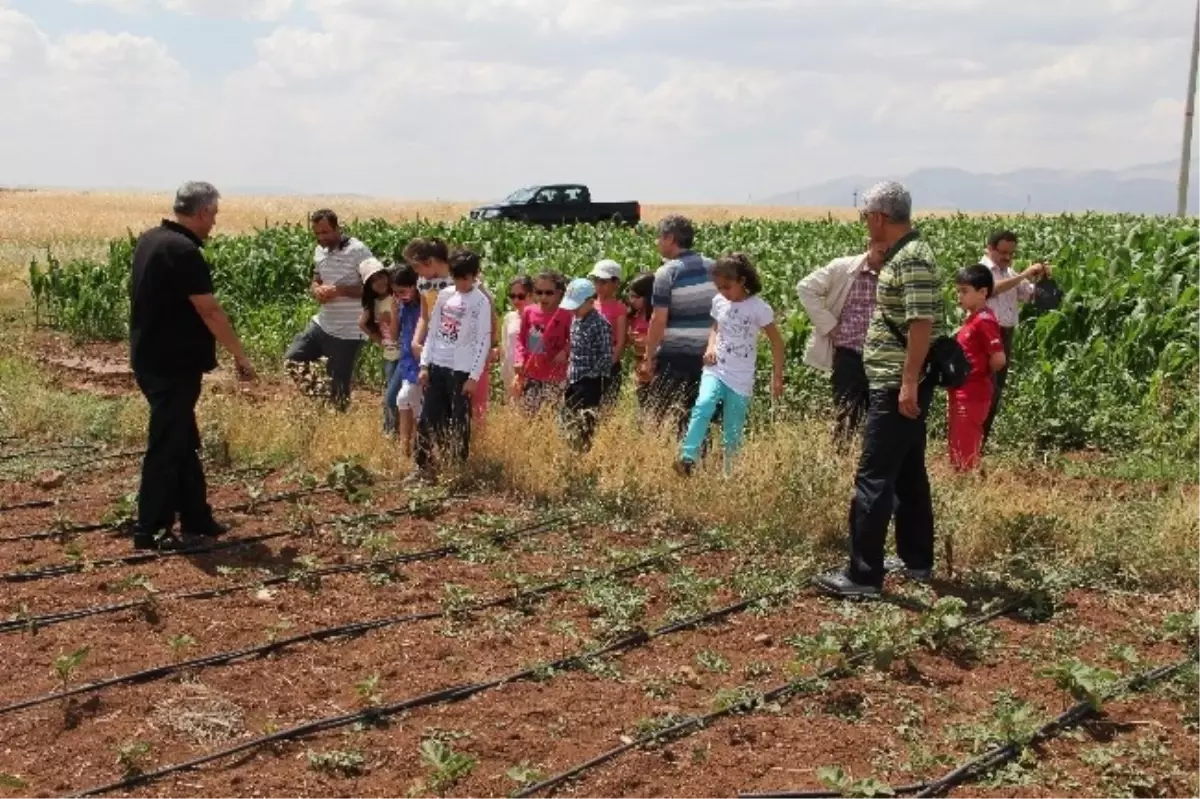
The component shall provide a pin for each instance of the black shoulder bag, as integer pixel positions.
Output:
(946, 362)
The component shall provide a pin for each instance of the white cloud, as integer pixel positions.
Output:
(258, 10)
(673, 100)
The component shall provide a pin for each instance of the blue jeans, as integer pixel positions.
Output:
(734, 408)
(395, 381)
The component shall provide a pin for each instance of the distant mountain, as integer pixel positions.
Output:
(1145, 189)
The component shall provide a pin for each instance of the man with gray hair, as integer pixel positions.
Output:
(174, 326)
(891, 478)
(679, 324)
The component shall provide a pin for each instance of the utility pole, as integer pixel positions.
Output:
(1185, 161)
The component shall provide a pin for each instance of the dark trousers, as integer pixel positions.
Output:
(581, 410)
(612, 388)
(172, 476)
(999, 380)
(851, 394)
(445, 418)
(891, 479)
(674, 390)
(340, 356)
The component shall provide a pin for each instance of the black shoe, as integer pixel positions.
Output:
(897, 566)
(162, 541)
(213, 529)
(684, 468)
(839, 584)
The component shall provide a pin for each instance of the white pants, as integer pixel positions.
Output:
(410, 398)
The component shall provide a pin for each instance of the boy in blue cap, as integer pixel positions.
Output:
(590, 365)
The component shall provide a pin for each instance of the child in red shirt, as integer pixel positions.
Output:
(981, 341)
(543, 345)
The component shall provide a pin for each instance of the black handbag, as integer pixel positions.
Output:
(1047, 296)
(946, 362)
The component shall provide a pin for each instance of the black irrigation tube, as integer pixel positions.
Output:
(696, 723)
(1002, 754)
(240, 507)
(339, 631)
(997, 756)
(60, 569)
(451, 694)
(12, 456)
(51, 619)
(48, 503)
(37, 503)
(70, 467)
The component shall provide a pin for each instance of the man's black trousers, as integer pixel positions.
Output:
(891, 480)
(172, 475)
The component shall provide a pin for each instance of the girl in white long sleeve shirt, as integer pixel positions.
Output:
(452, 363)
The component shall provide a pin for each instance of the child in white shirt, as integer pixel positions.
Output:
(452, 364)
(739, 315)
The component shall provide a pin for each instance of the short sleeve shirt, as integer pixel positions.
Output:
(338, 266)
(909, 289)
(685, 288)
(167, 336)
(979, 338)
(738, 326)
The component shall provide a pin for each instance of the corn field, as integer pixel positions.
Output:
(1115, 367)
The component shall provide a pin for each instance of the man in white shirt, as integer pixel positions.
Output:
(333, 333)
(1010, 291)
(839, 300)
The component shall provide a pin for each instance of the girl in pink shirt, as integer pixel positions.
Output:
(640, 289)
(606, 275)
(543, 344)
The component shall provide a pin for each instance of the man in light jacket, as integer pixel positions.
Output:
(840, 299)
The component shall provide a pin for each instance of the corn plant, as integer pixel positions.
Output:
(1114, 366)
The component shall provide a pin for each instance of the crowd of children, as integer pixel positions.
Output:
(562, 344)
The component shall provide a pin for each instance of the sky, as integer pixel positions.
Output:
(655, 100)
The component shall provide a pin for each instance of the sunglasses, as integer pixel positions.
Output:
(538, 293)
(517, 295)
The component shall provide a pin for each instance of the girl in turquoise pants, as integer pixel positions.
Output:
(739, 316)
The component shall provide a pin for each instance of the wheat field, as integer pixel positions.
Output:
(77, 224)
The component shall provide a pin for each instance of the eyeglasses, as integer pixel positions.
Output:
(514, 295)
(540, 293)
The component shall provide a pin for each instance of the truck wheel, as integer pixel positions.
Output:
(618, 220)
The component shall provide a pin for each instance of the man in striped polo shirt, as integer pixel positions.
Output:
(679, 325)
(333, 332)
(891, 478)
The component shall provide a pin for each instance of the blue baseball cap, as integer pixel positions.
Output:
(579, 291)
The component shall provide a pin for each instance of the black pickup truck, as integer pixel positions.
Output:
(563, 204)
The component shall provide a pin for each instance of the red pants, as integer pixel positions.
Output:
(967, 419)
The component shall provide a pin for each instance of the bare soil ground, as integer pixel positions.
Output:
(909, 721)
(904, 723)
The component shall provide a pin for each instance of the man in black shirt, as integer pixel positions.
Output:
(175, 324)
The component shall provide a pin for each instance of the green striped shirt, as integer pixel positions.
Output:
(908, 289)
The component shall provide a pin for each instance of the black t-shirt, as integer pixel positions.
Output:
(166, 334)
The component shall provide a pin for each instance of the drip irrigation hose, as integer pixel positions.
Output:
(1002, 754)
(997, 756)
(326, 633)
(37, 503)
(240, 507)
(695, 723)
(61, 569)
(12, 456)
(450, 694)
(50, 619)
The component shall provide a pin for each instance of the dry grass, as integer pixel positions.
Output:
(789, 486)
